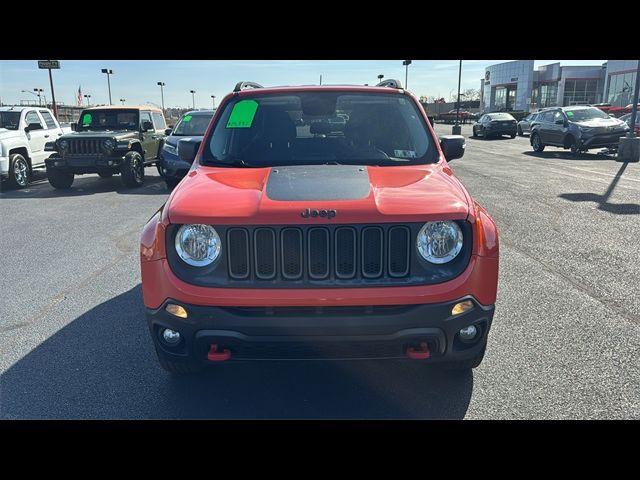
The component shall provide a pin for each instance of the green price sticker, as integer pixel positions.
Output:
(243, 114)
(86, 119)
(569, 114)
(187, 118)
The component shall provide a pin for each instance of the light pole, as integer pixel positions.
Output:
(88, 97)
(123, 100)
(457, 129)
(161, 85)
(380, 77)
(39, 93)
(629, 147)
(108, 72)
(193, 98)
(29, 91)
(213, 98)
(406, 63)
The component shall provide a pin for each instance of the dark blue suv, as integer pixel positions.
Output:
(192, 125)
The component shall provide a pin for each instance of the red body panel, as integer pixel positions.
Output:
(228, 196)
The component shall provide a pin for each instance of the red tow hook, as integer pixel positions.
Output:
(421, 354)
(215, 356)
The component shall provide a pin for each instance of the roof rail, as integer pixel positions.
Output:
(245, 85)
(391, 83)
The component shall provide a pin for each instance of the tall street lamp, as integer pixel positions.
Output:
(88, 97)
(29, 91)
(193, 98)
(161, 85)
(406, 63)
(109, 73)
(380, 77)
(213, 98)
(457, 129)
(39, 93)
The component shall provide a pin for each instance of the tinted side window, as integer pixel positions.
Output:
(158, 121)
(547, 117)
(48, 119)
(145, 117)
(558, 116)
(32, 117)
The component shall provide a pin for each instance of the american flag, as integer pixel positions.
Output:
(79, 96)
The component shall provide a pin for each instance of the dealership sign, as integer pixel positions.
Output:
(48, 64)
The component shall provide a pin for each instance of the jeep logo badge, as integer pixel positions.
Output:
(318, 213)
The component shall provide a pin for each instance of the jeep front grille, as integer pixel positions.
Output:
(318, 253)
(84, 146)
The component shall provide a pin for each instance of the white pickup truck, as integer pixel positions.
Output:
(24, 131)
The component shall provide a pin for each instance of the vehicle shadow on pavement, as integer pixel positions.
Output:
(603, 200)
(102, 365)
(566, 155)
(84, 185)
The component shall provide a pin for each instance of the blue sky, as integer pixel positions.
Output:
(136, 80)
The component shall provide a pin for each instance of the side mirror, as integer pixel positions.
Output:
(146, 126)
(74, 126)
(188, 149)
(32, 126)
(167, 131)
(452, 146)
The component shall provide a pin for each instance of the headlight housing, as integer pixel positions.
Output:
(63, 144)
(198, 245)
(169, 149)
(439, 242)
(109, 144)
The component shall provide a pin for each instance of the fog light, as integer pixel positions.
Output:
(462, 307)
(170, 336)
(177, 310)
(467, 334)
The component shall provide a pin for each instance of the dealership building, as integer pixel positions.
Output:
(518, 86)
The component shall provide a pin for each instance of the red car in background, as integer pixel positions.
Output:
(616, 111)
(627, 118)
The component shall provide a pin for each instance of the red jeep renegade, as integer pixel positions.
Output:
(320, 222)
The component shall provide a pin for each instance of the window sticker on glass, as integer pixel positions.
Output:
(86, 119)
(242, 114)
(569, 114)
(187, 118)
(404, 153)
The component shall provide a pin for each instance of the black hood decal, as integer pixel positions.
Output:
(318, 182)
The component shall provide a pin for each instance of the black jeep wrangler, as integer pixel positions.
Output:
(108, 140)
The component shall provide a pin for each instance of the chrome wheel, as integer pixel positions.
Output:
(21, 172)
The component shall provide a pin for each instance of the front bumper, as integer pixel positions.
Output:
(4, 166)
(304, 333)
(172, 166)
(86, 163)
(597, 141)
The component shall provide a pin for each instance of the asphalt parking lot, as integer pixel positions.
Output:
(565, 340)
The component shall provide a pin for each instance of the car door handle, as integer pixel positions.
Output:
(59, 134)
(46, 136)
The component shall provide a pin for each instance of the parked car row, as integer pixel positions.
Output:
(107, 140)
(575, 128)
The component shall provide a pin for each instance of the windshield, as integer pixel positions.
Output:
(192, 125)
(585, 114)
(303, 129)
(501, 116)
(109, 119)
(9, 120)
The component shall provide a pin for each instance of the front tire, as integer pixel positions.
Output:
(18, 171)
(178, 368)
(513, 135)
(58, 179)
(132, 170)
(536, 143)
(464, 365)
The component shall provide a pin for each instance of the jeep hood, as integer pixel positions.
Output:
(279, 195)
(118, 134)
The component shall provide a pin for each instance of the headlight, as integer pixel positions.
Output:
(63, 144)
(439, 242)
(109, 144)
(169, 149)
(198, 245)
